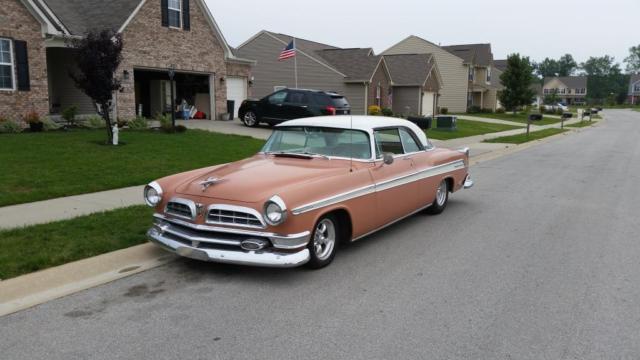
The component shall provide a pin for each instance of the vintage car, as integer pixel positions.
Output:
(318, 182)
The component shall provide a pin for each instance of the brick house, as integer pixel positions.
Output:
(35, 63)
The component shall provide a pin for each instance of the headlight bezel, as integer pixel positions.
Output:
(277, 201)
(147, 198)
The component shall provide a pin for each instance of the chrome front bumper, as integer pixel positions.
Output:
(217, 244)
(468, 183)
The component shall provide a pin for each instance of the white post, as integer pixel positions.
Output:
(295, 63)
(115, 133)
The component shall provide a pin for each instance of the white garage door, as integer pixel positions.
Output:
(428, 102)
(236, 91)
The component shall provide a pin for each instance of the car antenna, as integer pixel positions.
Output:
(351, 144)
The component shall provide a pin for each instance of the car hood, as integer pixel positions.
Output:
(259, 177)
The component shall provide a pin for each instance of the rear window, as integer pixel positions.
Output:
(330, 100)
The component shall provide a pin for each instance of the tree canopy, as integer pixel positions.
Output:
(633, 60)
(564, 66)
(606, 82)
(517, 79)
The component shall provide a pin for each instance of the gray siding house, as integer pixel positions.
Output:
(358, 74)
(416, 83)
(634, 89)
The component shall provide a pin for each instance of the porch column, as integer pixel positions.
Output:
(212, 97)
(482, 99)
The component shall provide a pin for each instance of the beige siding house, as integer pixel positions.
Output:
(454, 87)
(569, 89)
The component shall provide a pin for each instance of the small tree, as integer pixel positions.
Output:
(97, 56)
(517, 79)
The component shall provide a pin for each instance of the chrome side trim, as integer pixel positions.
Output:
(391, 223)
(280, 241)
(235, 208)
(189, 203)
(381, 186)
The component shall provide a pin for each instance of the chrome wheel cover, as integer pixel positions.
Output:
(324, 239)
(441, 193)
(249, 118)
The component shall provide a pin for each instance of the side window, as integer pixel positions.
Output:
(409, 142)
(388, 141)
(6, 65)
(278, 98)
(296, 97)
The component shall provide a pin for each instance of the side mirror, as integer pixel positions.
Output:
(387, 158)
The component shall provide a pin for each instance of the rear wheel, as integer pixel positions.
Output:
(250, 119)
(442, 197)
(324, 241)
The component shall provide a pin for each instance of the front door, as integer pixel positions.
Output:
(395, 190)
(428, 103)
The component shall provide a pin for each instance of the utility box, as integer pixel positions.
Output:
(423, 122)
(446, 122)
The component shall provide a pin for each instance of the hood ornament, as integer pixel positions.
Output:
(206, 183)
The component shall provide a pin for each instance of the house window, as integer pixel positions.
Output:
(636, 88)
(546, 91)
(488, 75)
(175, 13)
(472, 73)
(6, 65)
(562, 91)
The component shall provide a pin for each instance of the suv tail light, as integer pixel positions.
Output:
(331, 110)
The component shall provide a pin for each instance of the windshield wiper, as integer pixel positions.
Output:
(303, 155)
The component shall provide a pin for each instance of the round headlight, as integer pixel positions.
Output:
(275, 211)
(153, 194)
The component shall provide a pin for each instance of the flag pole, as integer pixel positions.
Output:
(295, 62)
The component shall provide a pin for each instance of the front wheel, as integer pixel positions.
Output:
(250, 119)
(323, 243)
(442, 197)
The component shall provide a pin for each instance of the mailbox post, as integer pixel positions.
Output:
(565, 116)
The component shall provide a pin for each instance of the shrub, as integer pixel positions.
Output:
(444, 110)
(69, 114)
(8, 126)
(474, 109)
(387, 112)
(138, 123)
(32, 117)
(121, 123)
(94, 122)
(49, 125)
(165, 122)
(374, 110)
(181, 128)
(500, 111)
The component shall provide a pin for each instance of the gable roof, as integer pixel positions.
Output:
(500, 64)
(409, 69)
(80, 16)
(358, 64)
(572, 82)
(477, 54)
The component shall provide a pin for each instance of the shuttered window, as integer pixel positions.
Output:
(175, 13)
(7, 81)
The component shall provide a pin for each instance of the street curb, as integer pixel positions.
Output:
(33, 289)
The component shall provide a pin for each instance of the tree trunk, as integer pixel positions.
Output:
(107, 120)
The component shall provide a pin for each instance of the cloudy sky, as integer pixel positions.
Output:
(539, 29)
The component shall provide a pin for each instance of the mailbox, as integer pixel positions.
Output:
(567, 115)
(446, 122)
(535, 117)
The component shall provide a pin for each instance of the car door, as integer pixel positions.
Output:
(395, 189)
(296, 105)
(273, 107)
(423, 163)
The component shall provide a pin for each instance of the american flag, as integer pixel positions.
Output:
(288, 52)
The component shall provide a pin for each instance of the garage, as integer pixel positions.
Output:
(428, 103)
(236, 91)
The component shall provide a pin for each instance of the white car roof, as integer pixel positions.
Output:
(357, 122)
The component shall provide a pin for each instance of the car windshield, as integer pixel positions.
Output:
(307, 140)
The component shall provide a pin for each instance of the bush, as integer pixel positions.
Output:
(32, 117)
(387, 112)
(94, 122)
(475, 109)
(500, 111)
(374, 110)
(69, 114)
(181, 128)
(138, 123)
(444, 110)
(8, 126)
(165, 122)
(49, 125)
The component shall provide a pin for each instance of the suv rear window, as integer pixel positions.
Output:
(337, 101)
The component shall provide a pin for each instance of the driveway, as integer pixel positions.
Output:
(540, 260)
(228, 127)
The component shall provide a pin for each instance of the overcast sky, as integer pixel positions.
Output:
(539, 29)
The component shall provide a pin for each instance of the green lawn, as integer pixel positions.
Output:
(39, 247)
(518, 117)
(522, 138)
(581, 124)
(39, 166)
(468, 128)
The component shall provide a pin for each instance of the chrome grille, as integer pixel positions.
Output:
(233, 217)
(179, 209)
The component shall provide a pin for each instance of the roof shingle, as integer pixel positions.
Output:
(477, 54)
(80, 16)
(409, 69)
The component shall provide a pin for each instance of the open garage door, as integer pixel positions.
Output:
(236, 91)
(428, 103)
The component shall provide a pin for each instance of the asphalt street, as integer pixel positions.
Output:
(540, 260)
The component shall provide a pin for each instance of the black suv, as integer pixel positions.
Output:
(289, 104)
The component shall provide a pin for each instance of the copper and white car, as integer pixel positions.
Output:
(317, 183)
